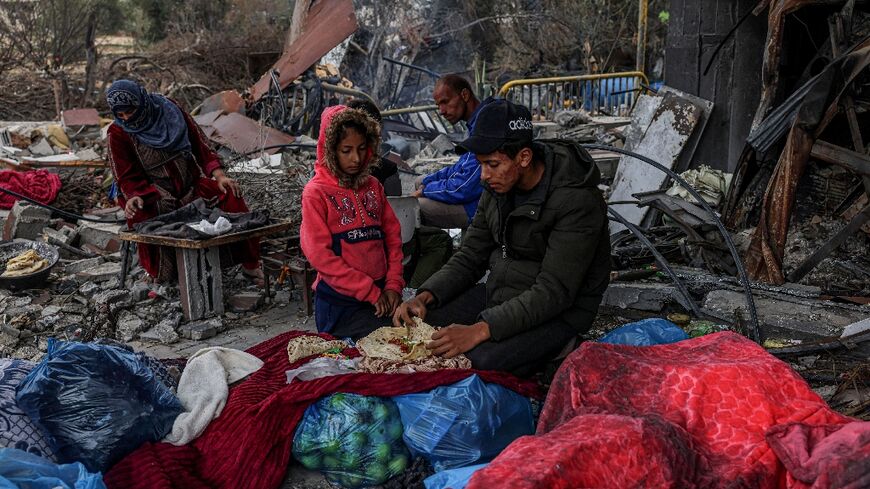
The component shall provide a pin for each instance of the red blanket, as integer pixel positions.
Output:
(824, 456)
(249, 445)
(39, 185)
(719, 394)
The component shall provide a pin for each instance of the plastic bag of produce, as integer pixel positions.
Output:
(356, 441)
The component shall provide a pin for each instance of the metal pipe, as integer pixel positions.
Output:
(642, 16)
(408, 110)
(415, 67)
(741, 269)
(661, 260)
(346, 91)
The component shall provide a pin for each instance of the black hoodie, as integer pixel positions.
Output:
(549, 256)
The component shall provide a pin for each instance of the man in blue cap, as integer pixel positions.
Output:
(541, 231)
(448, 197)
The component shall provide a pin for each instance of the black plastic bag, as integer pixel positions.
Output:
(96, 403)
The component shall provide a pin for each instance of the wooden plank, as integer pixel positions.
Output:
(840, 156)
(832, 244)
(194, 244)
(64, 164)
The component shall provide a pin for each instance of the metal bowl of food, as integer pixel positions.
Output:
(25, 264)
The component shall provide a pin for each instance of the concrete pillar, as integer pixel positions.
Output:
(733, 82)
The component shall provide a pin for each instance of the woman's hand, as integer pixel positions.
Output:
(225, 183)
(133, 205)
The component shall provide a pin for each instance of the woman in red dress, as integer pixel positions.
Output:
(161, 161)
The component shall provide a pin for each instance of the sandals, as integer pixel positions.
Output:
(255, 276)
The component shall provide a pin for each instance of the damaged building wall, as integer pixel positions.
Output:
(733, 81)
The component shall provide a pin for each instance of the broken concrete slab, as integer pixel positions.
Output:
(100, 273)
(164, 333)
(75, 267)
(202, 329)
(640, 296)
(26, 221)
(129, 326)
(41, 148)
(793, 317)
(7, 341)
(109, 297)
(855, 328)
(89, 289)
(62, 236)
(102, 235)
(76, 118)
(139, 292)
(245, 301)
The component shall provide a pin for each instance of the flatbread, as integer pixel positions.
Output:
(392, 343)
(24, 264)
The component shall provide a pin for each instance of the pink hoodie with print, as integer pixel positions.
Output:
(349, 232)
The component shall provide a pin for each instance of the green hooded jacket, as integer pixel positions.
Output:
(549, 258)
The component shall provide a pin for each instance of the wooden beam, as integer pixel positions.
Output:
(297, 21)
(837, 155)
(193, 244)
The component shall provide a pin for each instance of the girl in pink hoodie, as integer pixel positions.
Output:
(349, 232)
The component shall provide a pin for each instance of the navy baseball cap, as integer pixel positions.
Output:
(498, 122)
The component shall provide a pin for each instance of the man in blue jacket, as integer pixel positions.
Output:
(448, 198)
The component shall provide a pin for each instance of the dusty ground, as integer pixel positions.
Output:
(282, 315)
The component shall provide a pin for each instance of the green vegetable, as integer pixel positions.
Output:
(379, 434)
(358, 441)
(395, 429)
(331, 447)
(350, 460)
(310, 461)
(398, 465)
(381, 412)
(337, 400)
(377, 473)
(331, 463)
(383, 452)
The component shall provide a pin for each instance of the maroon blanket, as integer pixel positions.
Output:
(249, 445)
(698, 413)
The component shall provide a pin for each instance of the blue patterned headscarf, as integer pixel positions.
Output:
(156, 122)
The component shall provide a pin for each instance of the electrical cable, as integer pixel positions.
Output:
(66, 214)
(741, 269)
(681, 287)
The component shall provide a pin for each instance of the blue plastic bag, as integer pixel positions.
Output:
(653, 331)
(465, 423)
(356, 441)
(97, 403)
(22, 470)
(453, 478)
